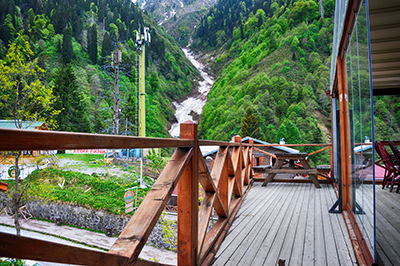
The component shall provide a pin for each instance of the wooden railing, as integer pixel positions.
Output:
(225, 188)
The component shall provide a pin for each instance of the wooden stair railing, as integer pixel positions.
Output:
(225, 188)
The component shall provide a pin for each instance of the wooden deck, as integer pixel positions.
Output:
(290, 222)
(387, 225)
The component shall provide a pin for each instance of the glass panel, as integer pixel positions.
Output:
(340, 15)
(361, 129)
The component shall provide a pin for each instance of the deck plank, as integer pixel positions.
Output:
(267, 251)
(249, 239)
(233, 254)
(296, 257)
(308, 251)
(343, 243)
(247, 258)
(294, 227)
(244, 219)
(332, 258)
(290, 222)
(319, 248)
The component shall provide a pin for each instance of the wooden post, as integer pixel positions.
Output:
(344, 130)
(251, 159)
(188, 190)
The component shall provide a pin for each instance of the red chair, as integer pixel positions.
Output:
(395, 151)
(392, 175)
(378, 145)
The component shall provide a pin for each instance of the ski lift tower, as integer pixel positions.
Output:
(142, 38)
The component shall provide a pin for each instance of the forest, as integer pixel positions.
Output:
(72, 42)
(271, 60)
(273, 64)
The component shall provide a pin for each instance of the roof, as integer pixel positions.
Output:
(282, 148)
(362, 148)
(25, 124)
(385, 46)
(208, 150)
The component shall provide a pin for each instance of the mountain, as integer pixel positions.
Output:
(73, 41)
(272, 60)
(178, 17)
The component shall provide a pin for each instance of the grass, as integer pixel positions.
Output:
(86, 159)
(92, 191)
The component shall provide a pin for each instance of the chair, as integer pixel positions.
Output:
(392, 174)
(395, 151)
(378, 145)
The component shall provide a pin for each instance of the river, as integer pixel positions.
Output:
(193, 103)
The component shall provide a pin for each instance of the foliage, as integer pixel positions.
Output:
(93, 191)
(72, 101)
(169, 234)
(65, 38)
(22, 93)
(275, 68)
(250, 125)
(157, 161)
(11, 262)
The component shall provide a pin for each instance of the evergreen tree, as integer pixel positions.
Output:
(106, 48)
(67, 50)
(74, 110)
(92, 43)
(260, 21)
(250, 125)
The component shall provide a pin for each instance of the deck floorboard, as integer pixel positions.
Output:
(387, 225)
(286, 221)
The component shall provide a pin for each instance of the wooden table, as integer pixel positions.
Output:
(281, 158)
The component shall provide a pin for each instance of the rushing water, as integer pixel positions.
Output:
(194, 103)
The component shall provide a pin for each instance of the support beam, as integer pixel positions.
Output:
(135, 234)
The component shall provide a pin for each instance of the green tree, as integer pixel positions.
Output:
(25, 98)
(67, 50)
(106, 48)
(71, 101)
(92, 43)
(250, 125)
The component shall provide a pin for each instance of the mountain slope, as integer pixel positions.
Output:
(84, 34)
(178, 17)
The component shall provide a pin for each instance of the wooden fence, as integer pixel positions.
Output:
(225, 188)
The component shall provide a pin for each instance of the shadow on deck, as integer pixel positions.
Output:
(290, 222)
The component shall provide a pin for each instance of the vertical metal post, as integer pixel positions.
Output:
(142, 104)
(116, 60)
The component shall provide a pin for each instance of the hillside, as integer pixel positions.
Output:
(274, 63)
(73, 43)
(272, 59)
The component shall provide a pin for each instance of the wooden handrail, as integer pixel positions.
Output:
(266, 153)
(225, 187)
(20, 140)
(320, 150)
(20, 247)
(291, 145)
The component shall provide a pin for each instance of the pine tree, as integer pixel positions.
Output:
(250, 125)
(74, 110)
(106, 48)
(92, 43)
(67, 50)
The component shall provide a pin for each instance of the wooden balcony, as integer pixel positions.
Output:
(288, 221)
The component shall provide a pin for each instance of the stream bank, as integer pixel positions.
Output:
(191, 108)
